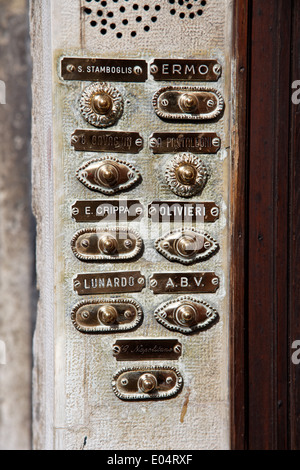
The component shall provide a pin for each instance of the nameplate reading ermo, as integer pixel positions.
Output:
(109, 283)
(113, 70)
(187, 70)
(84, 140)
(188, 212)
(108, 210)
(196, 142)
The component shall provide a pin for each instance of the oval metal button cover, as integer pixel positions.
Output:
(186, 315)
(188, 103)
(106, 244)
(152, 383)
(186, 246)
(106, 315)
(108, 175)
(101, 105)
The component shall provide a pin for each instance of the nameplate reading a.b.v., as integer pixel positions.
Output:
(109, 283)
(89, 140)
(183, 283)
(112, 70)
(188, 212)
(108, 210)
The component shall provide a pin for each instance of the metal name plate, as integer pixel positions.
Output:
(113, 70)
(107, 141)
(174, 142)
(147, 349)
(108, 210)
(188, 212)
(187, 70)
(109, 283)
(183, 283)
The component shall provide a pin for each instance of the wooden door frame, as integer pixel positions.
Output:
(265, 235)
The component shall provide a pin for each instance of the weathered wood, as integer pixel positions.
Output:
(268, 224)
(16, 229)
(294, 239)
(238, 227)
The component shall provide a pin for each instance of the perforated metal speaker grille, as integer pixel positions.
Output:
(134, 17)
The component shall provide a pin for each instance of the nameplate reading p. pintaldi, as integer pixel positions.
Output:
(113, 70)
(109, 283)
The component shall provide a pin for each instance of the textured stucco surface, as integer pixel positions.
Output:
(86, 409)
(17, 297)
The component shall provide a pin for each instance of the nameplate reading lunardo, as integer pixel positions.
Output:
(196, 142)
(187, 70)
(147, 349)
(188, 212)
(113, 70)
(183, 283)
(109, 283)
(110, 211)
(106, 141)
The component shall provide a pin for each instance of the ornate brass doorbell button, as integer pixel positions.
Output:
(186, 175)
(108, 175)
(186, 246)
(101, 105)
(153, 383)
(188, 103)
(106, 315)
(106, 244)
(186, 315)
